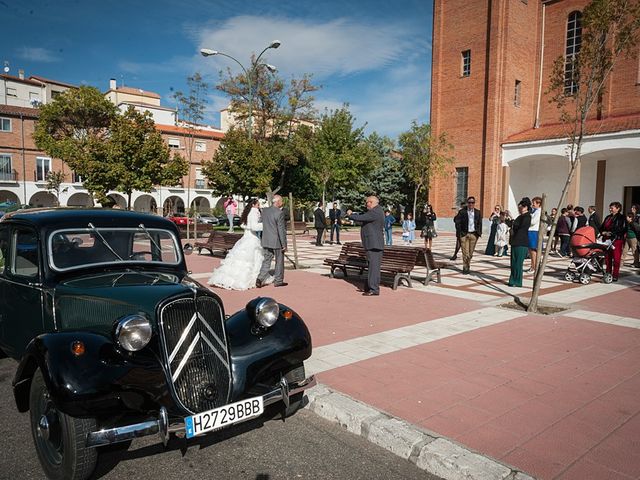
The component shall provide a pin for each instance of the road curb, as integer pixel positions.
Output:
(427, 450)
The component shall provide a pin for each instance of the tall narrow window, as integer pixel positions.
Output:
(5, 124)
(466, 63)
(574, 41)
(43, 167)
(462, 185)
(6, 173)
(516, 93)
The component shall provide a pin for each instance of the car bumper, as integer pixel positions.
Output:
(162, 428)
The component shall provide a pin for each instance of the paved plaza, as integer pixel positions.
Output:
(553, 396)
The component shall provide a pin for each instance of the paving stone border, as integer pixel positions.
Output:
(427, 450)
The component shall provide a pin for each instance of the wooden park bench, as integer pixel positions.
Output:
(425, 259)
(201, 230)
(298, 226)
(218, 241)
(396, 262)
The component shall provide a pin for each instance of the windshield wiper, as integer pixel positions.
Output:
(104, 242)
(144, 229)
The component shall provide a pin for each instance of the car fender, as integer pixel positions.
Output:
(257, 355)
(99, 381)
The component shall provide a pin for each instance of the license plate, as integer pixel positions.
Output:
(223, 416)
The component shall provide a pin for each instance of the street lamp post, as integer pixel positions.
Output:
(207, 52)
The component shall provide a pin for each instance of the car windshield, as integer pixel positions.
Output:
(77, 248)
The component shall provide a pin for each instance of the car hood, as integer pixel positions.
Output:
(96, 302)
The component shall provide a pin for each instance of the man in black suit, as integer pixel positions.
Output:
(318, 217)
(334, 215)
(371, 235)
(594, 219)
(469, 221)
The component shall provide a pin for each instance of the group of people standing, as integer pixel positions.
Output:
(335, 223)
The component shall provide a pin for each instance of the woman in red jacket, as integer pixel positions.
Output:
(614, 228)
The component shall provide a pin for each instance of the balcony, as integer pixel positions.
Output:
(9, 177)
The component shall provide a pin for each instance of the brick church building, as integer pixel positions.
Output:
(491, 65)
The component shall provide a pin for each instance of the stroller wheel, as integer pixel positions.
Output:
(569, 276)
(607, 278)
(584, 278)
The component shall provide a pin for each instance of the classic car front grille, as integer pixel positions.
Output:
(196, 350)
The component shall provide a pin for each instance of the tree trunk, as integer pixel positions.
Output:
(542, 264)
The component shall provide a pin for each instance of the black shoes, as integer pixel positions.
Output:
(283, 284)
(370, 293)
(455, 257)
(259, 283)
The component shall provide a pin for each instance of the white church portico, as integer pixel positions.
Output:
(609, 170)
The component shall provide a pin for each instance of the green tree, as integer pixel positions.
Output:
(278, 110)
(610, 30)
(191, 110)
(425, 156)
(241, 165)
(138, 158)
(340, 156)
(388, 180)
(75, 127)
(54, 182)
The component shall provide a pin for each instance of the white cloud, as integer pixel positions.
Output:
(336, 47)
(37, 54)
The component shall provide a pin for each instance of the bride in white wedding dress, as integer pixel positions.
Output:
(239, 270)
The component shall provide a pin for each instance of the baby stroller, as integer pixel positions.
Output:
(588, 257)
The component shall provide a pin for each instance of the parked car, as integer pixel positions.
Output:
(208, 218)
(180, 219)
(223, 220)
(115, 341)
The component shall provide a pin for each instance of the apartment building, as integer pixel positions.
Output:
(24, 169)
(490, 76)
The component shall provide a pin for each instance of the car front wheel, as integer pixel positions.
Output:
(59, 439)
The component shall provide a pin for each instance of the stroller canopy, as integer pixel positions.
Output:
(583, 240)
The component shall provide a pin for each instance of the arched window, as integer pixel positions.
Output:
(574, 41)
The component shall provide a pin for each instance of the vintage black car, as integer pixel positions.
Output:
(115, 341)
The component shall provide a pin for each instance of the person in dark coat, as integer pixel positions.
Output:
(470, 221)
(614, 228)
(520, 242)
(335, 215)
(456, 223)
(373, 242)
(594, 219)
(318, 223)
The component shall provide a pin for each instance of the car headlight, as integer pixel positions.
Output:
(133, 332)
(267, 311)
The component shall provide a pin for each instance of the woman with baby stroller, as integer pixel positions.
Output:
(614, 228)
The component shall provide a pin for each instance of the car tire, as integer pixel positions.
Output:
(59, 438)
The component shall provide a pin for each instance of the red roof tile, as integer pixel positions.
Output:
(48, 80)
(594, 127)
(17, 111)
(135, 91)
(186, 131)
(12, 78)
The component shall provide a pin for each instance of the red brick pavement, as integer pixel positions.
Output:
(555, 396)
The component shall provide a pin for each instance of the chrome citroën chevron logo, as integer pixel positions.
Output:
(206, 336)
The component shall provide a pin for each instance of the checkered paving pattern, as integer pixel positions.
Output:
(555, 395)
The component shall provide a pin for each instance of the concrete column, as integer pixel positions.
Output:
(573, 195)
(601, 175)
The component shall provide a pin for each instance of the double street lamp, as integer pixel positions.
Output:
(207, 52)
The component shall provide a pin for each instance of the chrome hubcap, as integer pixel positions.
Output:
(43, 427)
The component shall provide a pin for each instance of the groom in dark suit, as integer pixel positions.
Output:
(274, 242)
(373, 242)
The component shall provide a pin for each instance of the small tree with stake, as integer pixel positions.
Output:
(577, 83)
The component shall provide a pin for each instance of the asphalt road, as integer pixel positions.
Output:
(303, 447)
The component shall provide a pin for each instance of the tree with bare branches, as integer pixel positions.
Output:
(610, 30)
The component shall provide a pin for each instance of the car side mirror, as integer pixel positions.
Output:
(188, 249)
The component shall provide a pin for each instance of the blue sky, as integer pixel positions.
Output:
(373, 54)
